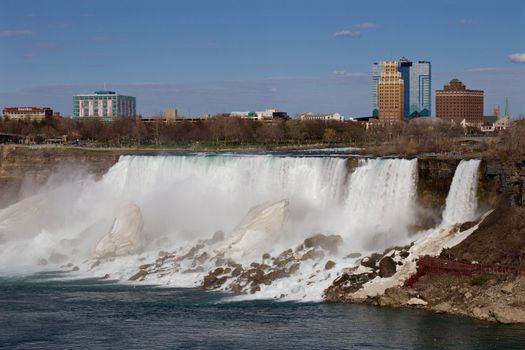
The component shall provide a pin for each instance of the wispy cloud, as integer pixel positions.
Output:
(14, 33)
(345, 74)
(484, 69)
(101, 39)
(88, 14)
(366, 25)
(48, 45)
(465, 22)
(517, 57)
(347, 34)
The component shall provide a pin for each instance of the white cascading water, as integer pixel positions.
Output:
(462, 203)
(187, 198)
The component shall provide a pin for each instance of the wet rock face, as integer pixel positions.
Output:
(126, 235)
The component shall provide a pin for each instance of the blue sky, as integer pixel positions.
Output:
(217, 56)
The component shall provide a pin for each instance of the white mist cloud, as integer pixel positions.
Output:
(517, 57)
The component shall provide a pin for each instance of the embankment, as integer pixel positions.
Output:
(24, 169)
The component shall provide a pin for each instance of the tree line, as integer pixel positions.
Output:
(416, 136)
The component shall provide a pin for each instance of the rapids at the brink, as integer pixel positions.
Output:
(184, 199)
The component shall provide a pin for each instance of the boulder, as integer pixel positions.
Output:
(481, 314)
(467, 225)
(218, 236)
(329, 265)
(371, 261)
(416, 302)
(508, 314)
(507, 288)
(126, 235)
(329, 243)
(442, 308)
(404, 254)
(266, 217)
(139, 276)
(394, 296)
(387, 267)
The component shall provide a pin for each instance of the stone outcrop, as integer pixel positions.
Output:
(23, 168)
(267, 218)
(258, 231)
(126, 235)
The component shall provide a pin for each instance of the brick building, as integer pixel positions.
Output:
(455, 102)
(390, 94)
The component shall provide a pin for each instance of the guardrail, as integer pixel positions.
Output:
(438, 265)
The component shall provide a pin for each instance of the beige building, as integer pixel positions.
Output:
(27, 113)
(390, 93)
(324, 117)
(170, 114)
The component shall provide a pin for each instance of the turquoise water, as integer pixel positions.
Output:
(42, 312)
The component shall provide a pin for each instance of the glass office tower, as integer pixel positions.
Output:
(417, 87)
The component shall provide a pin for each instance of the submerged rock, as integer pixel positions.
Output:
(126, 235)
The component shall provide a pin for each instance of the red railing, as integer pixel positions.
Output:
(437, 265)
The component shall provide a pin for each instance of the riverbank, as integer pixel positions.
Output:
(481, 277)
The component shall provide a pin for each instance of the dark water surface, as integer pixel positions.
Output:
(39, 312)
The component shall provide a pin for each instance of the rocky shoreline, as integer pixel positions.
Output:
(490, 299)
(497, 296)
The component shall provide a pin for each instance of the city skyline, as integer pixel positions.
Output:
(210, 57)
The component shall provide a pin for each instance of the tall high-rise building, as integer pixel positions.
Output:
(103, 104)
(456, 102)
(417, 87)
(390, 93)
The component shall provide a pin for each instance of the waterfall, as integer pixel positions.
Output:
(188, 198)
(381, 197)
(462, 203)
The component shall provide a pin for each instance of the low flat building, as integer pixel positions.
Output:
(105, 105)
(267, 115)
(27, 113)
(493, 123)
(322, 116)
